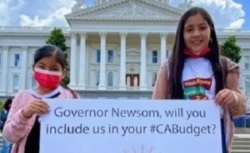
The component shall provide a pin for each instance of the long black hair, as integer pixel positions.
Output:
(176, 62)
(51, 50)
(7, 104)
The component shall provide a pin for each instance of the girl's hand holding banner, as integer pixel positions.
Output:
(130, 126)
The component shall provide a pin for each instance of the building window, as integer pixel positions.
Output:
(98, 56)
(247, 85)
(154, 79)
(110, 79)
(15, 83)
(16, 59)
(246, 62)
(154, 56)
(97, 78)
(110, 56)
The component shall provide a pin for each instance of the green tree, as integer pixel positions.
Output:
(231, 50)
(1, 105)
(58, 39)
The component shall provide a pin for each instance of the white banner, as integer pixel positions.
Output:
(130, 126)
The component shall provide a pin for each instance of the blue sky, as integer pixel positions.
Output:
(91, 2)
(231, 14)
(245, 5)
(246, 8)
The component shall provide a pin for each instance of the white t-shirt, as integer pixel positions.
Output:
(198, 79)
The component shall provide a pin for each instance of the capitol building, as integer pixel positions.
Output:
(116, 48)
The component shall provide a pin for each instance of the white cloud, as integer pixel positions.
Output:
(8, 9)
(4, 13)
(236, 24)
(225, 13)
(55, 19)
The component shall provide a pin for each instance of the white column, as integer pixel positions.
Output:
(5, 74)
(73, 60)
(143, 84)
(242, 78)
(163, 48)
(123, 62)
(24, 68)
(102, 85)
(82, 74)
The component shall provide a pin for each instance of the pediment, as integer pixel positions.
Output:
(133, 52)
(127, 10)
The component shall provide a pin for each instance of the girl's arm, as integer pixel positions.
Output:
(160, 90)
(239, 106)
(17, 126)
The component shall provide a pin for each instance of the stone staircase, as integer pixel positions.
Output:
(241, 143)
(1, 142)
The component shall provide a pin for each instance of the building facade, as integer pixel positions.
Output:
(116, 48)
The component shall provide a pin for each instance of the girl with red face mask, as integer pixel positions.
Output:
(197, 71)
(22, 127)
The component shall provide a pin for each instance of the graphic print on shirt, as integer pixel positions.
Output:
(195, 89)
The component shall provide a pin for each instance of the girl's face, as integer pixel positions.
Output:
(196, 33)
(50, 64)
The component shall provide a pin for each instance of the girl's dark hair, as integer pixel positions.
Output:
(176, 62)
(51, 50)
(7, 103)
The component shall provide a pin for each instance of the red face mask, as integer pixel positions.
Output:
(203, 52)
(47, 79)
